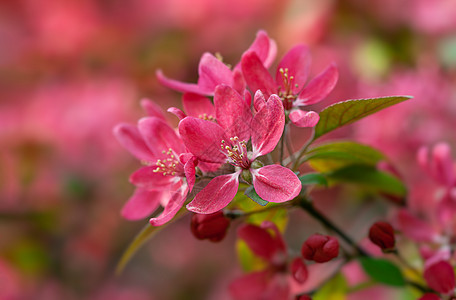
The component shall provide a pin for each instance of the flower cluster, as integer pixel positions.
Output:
(225, 139)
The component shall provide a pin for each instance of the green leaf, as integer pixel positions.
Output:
(335, 155)
(313, 179)
(334, 289)
(370, 178)
(252, 194)
(140, 239)
(346, 112)
(383, 271)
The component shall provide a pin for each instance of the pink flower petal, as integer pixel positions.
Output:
(145, 177)
(250, 286)
(130, 138)
(267, 126)
(239, 84)
(216, 195)
(277, 237)
(414, 228)
(182, 86)
(174, 204)
(278, 288)
(232, 112)
(256, 75)
(440, 277)
(422, 157)
(258, 100)
(247, 98)
(177, 112)
(152, 109)
(197, 106)
(203, 139)
(275, 183)
(318, 274)
(159, 136)
(297, 61)
(141, 204)
(442, 164)
(302, 118)
(319, 87)
(299, 270)
(213, 72)
(259, 240)
(264, 47)
(189, 169)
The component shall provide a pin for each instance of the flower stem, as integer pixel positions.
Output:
(297, 155)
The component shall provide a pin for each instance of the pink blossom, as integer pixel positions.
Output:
(272, 282)
(213, 71)
(291, 76)
(226, 142)
(168, 174)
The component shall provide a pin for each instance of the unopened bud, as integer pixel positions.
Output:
(320, 248)
(211, 226)
(440, 277)
(382, 235)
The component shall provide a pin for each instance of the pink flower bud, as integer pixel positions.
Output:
(211, 226)
(430, 296)
(440, 277)
(320, 248)
(299, 270)
(382, 235)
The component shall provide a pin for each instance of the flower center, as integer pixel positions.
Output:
(169, 165)
(236, 152)
(207, 117)
(287, 94)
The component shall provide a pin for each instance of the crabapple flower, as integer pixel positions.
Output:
(213, 71)
(272, 282)
(382, 235)
(320, 248)
(226, 142)
(168, 174)
(212, 226)
(289, 83)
